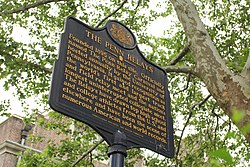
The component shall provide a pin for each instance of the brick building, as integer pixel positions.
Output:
(13, 139)
(13, 133)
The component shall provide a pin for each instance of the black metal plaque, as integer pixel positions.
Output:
(101, 78)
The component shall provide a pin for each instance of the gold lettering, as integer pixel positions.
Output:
(112, 89)
(114, 49)
(70, 66)
(72, 86)
(77, 40)
(107, 115)
(127, 123)
(157, 137)
(94, 37)
(140, 129)
(75, 101)
(77, 51)
(135, 61)
(126, 117)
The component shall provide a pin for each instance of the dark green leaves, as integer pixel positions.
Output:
(223, 154)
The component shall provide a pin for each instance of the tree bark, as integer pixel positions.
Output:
(29, 6)
(230, 91)
(246, 70)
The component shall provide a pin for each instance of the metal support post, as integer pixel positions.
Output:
(117, 151)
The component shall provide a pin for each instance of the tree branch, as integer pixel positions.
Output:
(229, 130)
(186, 87)
(47, 70)
(182, 132)
(28, 63)
(111, 14)
(200, 103)
(215, 131)
(204, 101)
(88, 152)
(189, 117)
(208, 130)
(29, 6)
(180, 69)
(246, 70)
(226, 87)
(179, 56)
(136, 10)
(217, 124)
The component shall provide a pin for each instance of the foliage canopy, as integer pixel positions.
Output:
(204, 136)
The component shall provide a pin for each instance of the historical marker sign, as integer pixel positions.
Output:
(102, 79)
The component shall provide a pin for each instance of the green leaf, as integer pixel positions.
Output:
(246, 129)
(238, 115)
(223, 154)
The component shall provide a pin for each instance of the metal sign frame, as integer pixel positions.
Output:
(102, 79)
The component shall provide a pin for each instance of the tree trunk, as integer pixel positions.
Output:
(232, 92)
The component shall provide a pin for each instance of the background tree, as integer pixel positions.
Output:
(208, 67)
